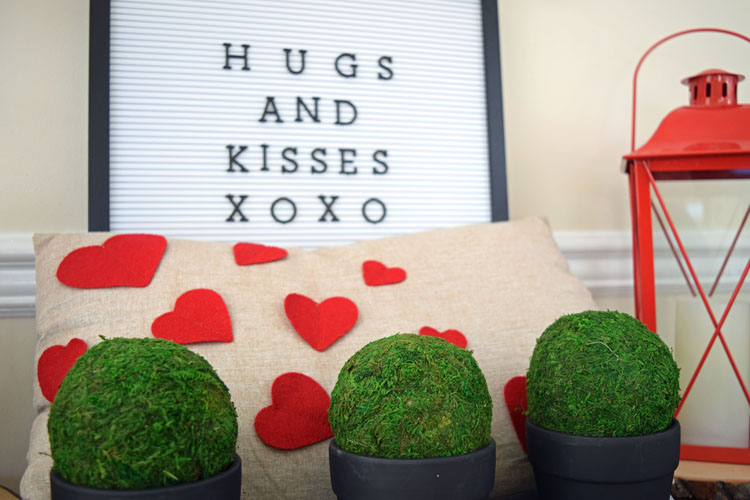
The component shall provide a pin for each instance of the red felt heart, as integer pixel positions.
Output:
(320, 324)
(199, 315)
(517, 403)
(453, 336)
(376, 274)
(253, 253)
(298, 414)
(122, 260)
(54, 364)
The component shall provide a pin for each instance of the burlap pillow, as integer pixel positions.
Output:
(500, 284)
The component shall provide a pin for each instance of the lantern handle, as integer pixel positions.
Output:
(643, 57)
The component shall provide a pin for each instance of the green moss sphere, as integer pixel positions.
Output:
(141, 413)
(602, 373)
(411, 396)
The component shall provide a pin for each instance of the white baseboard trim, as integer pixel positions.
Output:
(601, 259)
(17, 280)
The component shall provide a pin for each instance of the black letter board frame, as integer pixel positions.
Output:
(99, 114)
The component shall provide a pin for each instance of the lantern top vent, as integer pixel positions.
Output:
(713, 124)
(713, 87)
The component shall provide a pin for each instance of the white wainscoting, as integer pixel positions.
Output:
(17, 282)
(601, 259)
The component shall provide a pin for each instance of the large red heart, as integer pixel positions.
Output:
(320, 324)
(298, 414)
(199, 315)
(254, 253)
(453, 336)
(54, 364)
(122, 260)
(376, 273)
(518, 405)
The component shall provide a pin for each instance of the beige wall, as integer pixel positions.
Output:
(43, 177)
(16, 411)
(567, 68)
(567, 79)
(43, 115)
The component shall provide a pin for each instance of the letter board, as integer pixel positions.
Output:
(296, 122)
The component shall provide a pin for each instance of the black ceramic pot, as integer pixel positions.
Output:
(461, 477)
(225, 485)
(568, 467)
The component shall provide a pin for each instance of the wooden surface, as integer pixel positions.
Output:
(5, 495)
(709, 471)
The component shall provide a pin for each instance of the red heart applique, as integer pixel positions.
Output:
(298, 414)
(377, 274)
(199, 315)
(122, 260)
(320, 324)
(453, 336)
(253, 253)
(54, 364)
(518, 404)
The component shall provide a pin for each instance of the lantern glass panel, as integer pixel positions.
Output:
(711, 219)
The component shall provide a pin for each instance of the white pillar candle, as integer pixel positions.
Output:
(716, 412)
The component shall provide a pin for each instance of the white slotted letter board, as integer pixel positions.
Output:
(382, 132)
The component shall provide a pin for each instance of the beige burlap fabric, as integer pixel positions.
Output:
(500, 284)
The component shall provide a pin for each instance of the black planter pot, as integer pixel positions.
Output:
(461, 477)
(568, 467)
(225, 485)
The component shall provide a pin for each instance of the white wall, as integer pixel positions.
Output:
(567, 69)
(567, 79)
(16, 411)
(43, 171)
(43, 115)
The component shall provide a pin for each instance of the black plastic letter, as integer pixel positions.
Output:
(284, 221)
(352, 66)
(376, 156)
(292, 160)
(339, 102)
(364, 211)
(228, 56)
(236, 208)
(233, 158)
(301, 104)
(319, 160)
(346, 161)
(329, 209)
(270, 109)
(388, 59)
(302, 63)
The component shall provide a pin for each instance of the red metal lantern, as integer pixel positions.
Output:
(708, 139)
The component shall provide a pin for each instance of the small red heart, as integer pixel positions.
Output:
(199, 315)
(320, 324)
(298, 414)
(518, 404)
(453, 336)
(376, 274)
(54, 364)
(254, 253)
(122, 260)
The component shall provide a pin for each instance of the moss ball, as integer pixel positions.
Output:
(411, 396)
(602, 373)
(141, 413)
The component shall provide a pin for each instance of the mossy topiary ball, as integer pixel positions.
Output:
(141, 413)
(602, 373)
(411, 396)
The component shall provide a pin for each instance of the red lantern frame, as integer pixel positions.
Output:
(689, 144)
